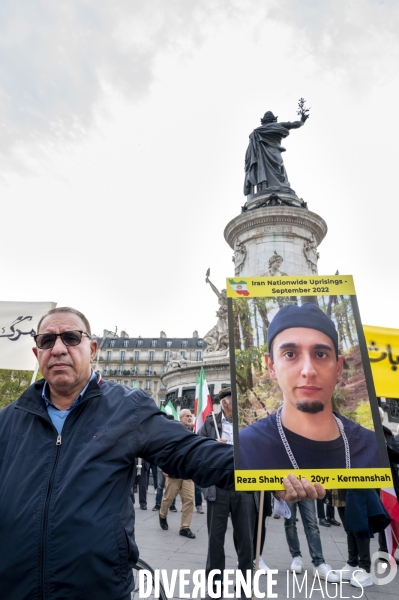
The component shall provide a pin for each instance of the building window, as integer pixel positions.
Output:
(154, 343)
(136, 355)
(149, 370)
(183, 354)
(125, 343)
(164, 368)
(134, 383)
(162, 399)
(123, 355)
(184, 344)
(111, 343)
(109, 354)
(148, 384)
(139, 343)
(163, 386)
(198, 355)
(200, 343)
(134, 370)
(169, 343)
(119, 381)
(106, 370)
(166, 355)
(151, 355)
(120, 369)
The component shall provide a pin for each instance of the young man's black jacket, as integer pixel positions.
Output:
(66, 517)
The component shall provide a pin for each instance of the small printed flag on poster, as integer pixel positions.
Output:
(240, 287)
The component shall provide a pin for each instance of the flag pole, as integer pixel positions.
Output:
(216, 427)
(259, 532)
(35, 372)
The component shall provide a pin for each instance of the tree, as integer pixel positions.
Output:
(13, 384)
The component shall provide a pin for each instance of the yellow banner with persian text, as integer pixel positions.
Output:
(304, 285)
(383, 348)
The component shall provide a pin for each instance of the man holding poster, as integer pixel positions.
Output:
(305, 432)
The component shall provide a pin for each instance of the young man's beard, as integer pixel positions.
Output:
(310, 407)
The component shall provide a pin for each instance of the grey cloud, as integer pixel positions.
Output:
(349, 37)
(56, 56)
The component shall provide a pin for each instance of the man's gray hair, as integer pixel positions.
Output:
(66, 309)
(183, 412)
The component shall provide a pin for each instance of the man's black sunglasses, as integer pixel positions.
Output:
(46, 341)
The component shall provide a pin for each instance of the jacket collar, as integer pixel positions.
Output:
(32, 401)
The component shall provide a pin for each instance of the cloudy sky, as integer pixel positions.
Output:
(124, 126)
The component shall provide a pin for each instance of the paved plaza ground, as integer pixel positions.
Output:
(168, 550)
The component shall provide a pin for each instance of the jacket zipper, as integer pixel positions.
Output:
(45, 515)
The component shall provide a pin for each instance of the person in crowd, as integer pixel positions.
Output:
(362, 513)
(160, 490)
(221, 503)
(154, 471)
(326, 515)
(143, 470)
(307, 510)
(392, 443)
(161, 485)
(184, 487)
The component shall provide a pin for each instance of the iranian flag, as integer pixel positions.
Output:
(240, 287)
(169, 409)
(203, 403)
(391, 504)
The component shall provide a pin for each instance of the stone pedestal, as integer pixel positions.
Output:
(287, 232)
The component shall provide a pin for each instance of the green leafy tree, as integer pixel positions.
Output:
(13, 384)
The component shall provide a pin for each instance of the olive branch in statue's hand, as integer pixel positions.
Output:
(302, 110)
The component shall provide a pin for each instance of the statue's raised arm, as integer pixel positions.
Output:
(222, 298)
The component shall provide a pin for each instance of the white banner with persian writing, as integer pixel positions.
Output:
(18, 322)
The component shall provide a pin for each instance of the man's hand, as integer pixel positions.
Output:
(296, 490)
(222, 440)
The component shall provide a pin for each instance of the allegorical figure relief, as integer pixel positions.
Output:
(264, 167)
(217, 338)
(311, 254)
(240, 254)
(176, 360)
(275, 262)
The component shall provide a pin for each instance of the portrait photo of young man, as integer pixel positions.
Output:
(305, 432)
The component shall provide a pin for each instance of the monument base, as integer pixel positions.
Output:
(290, 234)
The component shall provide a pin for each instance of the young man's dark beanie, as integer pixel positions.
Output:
(307, 315)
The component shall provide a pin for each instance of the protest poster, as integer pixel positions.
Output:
(18, 322)
(310, 406)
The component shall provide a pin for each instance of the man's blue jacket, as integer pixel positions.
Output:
(66, 517)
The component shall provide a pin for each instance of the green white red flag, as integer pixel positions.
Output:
(203, 404)
(169, 409)
(390, 501)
